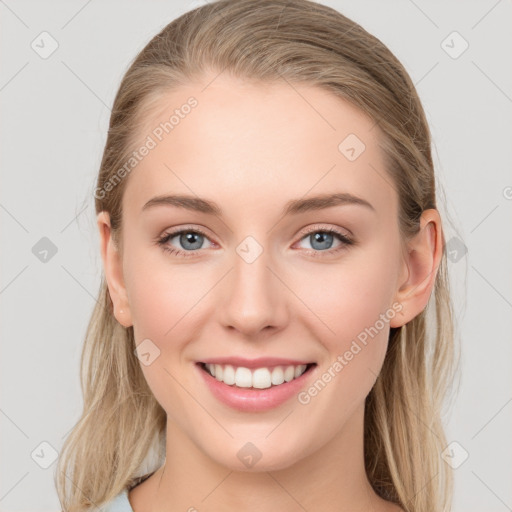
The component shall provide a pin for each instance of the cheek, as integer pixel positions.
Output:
(167, 304)
(161, 299)
(352, 312)
(354, 338)
(350, 296)
(160, 295)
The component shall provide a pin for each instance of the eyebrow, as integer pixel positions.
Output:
(292, 207)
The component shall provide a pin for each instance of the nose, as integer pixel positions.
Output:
(254, 298)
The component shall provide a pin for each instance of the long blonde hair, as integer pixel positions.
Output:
(120, 436)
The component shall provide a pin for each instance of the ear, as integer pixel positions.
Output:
(113, 266)
(424, 252)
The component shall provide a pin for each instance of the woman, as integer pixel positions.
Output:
(272, 251)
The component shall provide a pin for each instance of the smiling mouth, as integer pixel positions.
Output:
(256, 378)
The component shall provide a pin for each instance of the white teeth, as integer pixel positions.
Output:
(243, 377)
(229, 375)
(289, 373)
(277, 375)
(298, 371)
(260, 378)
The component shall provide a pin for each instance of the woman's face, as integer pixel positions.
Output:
(268, 274)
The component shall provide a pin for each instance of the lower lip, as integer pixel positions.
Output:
(251, 399)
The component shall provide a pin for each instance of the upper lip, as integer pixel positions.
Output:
(259, 362)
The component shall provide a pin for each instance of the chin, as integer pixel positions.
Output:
(252, 457)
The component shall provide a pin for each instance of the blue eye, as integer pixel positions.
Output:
(191, 240)
(321, 240)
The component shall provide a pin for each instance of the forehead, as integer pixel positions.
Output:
(244, 144)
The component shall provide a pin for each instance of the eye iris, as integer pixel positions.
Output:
(321, 238)
(189, 238)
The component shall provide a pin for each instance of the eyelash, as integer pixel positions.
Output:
(345, 241)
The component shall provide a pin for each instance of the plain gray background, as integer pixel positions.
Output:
(55, 112)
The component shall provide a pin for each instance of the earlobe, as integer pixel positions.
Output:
(421, 264)
(113, 268)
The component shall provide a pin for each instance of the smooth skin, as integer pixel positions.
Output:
(251, 148)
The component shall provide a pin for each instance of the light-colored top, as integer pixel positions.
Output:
(118, 504)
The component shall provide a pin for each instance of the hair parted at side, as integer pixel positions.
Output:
(120, 436)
